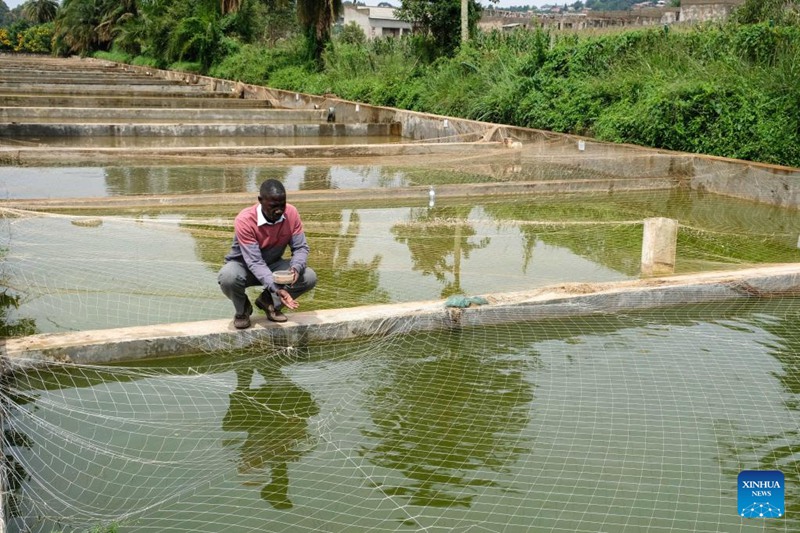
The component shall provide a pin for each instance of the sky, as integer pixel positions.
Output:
(503, 3)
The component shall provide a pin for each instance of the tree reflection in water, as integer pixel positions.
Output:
(436, 235)
(450, 421)
(11, 326)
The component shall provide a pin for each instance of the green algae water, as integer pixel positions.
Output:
(629, 423)
(86, 268)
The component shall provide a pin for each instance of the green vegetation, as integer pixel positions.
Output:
(608, 5)
(10, 324)
(729, 89)
(440, 22)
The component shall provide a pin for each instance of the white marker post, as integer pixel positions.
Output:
(659, 246)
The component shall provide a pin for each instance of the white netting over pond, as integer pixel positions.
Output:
(628, 422)
(637, 421)
(142, 245)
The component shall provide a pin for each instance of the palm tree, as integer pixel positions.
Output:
(230, 6)
(87, 25)
(113, 14)
(40, 11)
(197, 37)
(76, 26)
(317, 17)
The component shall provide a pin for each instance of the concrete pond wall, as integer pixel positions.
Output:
(568, 300)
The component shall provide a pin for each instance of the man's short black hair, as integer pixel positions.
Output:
(271, 187)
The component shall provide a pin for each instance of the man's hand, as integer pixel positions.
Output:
(287, 299)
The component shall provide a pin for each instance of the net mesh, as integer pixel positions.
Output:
(626, 422)
(630, 422)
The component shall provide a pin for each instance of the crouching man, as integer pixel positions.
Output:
(261, 235)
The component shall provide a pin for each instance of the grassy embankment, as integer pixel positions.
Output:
(729, 90)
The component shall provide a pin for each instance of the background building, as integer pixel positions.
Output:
(376, 21)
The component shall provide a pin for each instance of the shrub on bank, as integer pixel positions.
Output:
(5, 40)
(114, 55)
(192, 67)
(145, 61)
(256, 63)
(36, 39)
(729, 90)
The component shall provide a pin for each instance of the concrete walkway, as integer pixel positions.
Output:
(562, 301)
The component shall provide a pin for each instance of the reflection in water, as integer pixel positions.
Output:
(449, 420)
(11, 326)
(94, 182)
(317, 179)
(183, 180)
(639, 421)
(275, 417)
(13, 441)
(779, 450)
(342, 280)
(435, 234)
(714, 232)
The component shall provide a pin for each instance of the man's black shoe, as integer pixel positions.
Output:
(243, 321)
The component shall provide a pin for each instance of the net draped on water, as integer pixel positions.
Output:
(138, 246)
(632, 422)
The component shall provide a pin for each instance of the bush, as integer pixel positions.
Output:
(144, 61)
(36, 39)
(247, 65)
(114, 55)
(252, 63)
(195, 67)
(6, 42)
(293, 78)
(352, 34)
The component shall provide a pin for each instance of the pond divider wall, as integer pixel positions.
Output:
(561, 301)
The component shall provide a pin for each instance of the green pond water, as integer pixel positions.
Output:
(97, 182)
(135, 266)
(631, 423)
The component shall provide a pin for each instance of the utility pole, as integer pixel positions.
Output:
(464, 21)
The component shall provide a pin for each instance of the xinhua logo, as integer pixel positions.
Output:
(761, 493)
